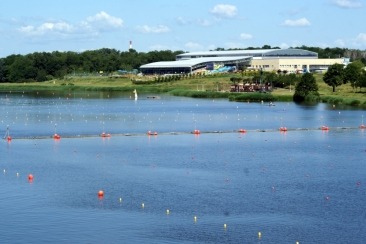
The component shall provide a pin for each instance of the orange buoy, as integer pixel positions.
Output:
(242, 131)
(151, 133)
(30, 177)
(100, 193)
(105, 134)
(324, 127)
(56, 136)
(283, 129)
(196, 132)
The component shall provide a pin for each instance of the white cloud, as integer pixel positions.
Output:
(245, 36)
(153, 29)
(224, 11)
(340, 43)
(204, 22)
(284, 46)
(192, 46)
(90, 27)
(183, 21)
(105, 21)
(296, 23)
(361, 38)
(347, 3)
(46, 28)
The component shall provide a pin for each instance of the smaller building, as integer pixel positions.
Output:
(295, 65)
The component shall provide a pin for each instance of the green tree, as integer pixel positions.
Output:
(352, 73)
(362, 81)
(306, 90)
(22, 70)
(334, 76)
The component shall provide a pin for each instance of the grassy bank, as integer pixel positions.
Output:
(216, 86)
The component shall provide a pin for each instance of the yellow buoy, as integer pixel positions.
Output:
(195, 219)
(225, 226)
(259, 235)
(167, 211)
(142, 205)
(297, 242)
(120, 199)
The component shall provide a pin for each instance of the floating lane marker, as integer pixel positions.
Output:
(100, 194)
(283, 129)
(152, 133)
(325, 128)
(56, 136)
(105, 134)
(30, 178)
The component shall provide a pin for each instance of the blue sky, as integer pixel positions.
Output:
(189, 25)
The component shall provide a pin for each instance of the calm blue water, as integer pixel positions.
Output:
(305, 185)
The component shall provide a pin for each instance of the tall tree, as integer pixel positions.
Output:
(306, 89)
(362, 81)
(334, 76)
(352, 73)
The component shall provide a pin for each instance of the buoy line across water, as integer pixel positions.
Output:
(187, 133)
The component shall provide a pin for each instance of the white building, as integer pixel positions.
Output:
(289, 60)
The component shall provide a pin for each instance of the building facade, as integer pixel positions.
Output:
(286, 60)
(295, 65)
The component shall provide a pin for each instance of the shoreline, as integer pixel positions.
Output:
(195, 88)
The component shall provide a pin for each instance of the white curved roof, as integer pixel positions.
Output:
(192, 62)
(255, 53)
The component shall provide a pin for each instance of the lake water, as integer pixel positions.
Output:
(305, 185)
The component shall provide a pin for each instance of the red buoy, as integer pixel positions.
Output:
(151, 133)
(105, 134)
(56, 136)
(196, 132)
(283, 129)
(362, 126)
(8, 138)
(100, 193)
(242, 131)
(324, 127)
(30, 177)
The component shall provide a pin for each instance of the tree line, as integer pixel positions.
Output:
(43, 66)
(354, 73)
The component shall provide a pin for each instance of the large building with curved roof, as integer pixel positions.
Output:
(289, 60)
(256, 54)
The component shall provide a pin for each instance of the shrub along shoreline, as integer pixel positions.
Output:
(216, 87)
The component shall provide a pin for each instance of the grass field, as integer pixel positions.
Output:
(205, 87)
